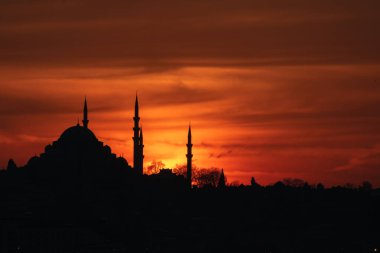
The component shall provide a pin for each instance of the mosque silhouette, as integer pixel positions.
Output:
(78, 157)
(79, 197)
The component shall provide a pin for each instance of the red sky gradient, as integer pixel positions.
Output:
(273, 89)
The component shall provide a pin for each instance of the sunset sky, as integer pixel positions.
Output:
(273, 88)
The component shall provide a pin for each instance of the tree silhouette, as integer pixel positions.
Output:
(366, 186)
(154, 167)
(206, 177)
(181, 170)
(320, 187)
(294, 182)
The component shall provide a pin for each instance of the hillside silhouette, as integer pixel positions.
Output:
(77, 196)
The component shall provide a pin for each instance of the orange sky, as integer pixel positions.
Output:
(273, 89)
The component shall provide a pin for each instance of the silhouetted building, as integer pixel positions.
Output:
(77, 157)
(254, 184)
(167, 181)
(222, 180)
(138, 145)
(189, 156)
(11, 165)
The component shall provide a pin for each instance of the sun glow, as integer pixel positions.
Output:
(270, 127)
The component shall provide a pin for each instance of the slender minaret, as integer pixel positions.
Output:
(222, 180)
(189, 156)
(136, 140)
(141, 155)
(85, 119)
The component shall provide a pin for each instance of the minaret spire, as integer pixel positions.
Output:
(189, 156)
(222, 180)
(136, 106)
(141, 150)
(85, 116)
(137, 155)
(189, 134)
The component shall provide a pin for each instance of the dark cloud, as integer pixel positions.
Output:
(368, 161)
(220, 155)
(366, 165)
(287, 144)
(28, 103)
(180, 94)
(196, 145)
(118, 140)
(175, 144)
(205, 145)
(183, 33)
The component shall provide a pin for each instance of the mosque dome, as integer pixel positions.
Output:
(77, 158)
(78, 134)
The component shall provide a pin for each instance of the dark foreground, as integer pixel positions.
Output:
(148, 214)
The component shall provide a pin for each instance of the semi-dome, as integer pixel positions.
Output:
(78, 134)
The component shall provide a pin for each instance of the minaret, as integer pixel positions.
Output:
(189, 156)
(222, 180)
(141, 155)
(136, 140)
(85, 119)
